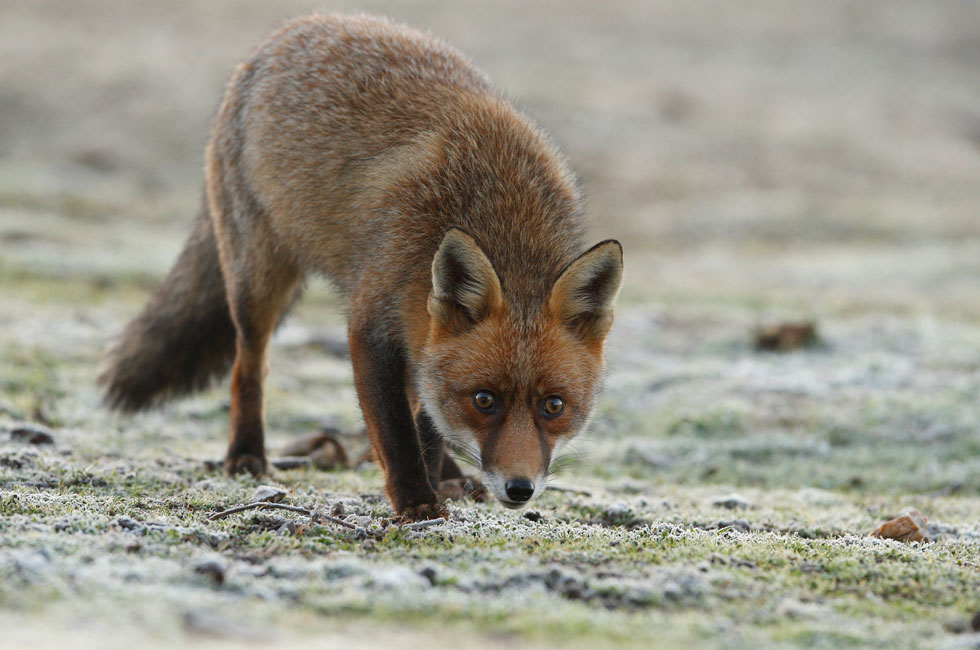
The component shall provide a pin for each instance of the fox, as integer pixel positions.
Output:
(362, 150)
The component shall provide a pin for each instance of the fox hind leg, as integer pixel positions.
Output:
(256, 307)
(260, 286)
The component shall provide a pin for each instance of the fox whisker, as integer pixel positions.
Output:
(466, 452)
(564, 461)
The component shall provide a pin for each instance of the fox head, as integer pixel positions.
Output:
(506, 388)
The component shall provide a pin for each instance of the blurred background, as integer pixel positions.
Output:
(766, 148)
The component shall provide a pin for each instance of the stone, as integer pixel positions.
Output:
(269, 493)
(32, 434)
(731, 501)
(213, 569)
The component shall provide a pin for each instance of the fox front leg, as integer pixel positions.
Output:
(379, 376)
(444, 474)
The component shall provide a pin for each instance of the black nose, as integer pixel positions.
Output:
(519, 489)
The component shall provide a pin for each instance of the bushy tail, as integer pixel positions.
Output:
(182, 340)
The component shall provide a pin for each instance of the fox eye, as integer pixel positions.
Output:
(552, 406)
(485, 401)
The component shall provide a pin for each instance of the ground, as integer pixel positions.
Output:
(762, 162)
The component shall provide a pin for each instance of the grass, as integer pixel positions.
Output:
(113, 517)
(647, 558)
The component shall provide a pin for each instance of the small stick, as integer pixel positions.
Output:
(290, 462)
(419, 525)
(282, 506)
(559, 488)
(259, 504)
(333, 520)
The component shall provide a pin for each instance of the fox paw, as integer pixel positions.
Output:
(458, 489)
(254, 465)
(423, 512)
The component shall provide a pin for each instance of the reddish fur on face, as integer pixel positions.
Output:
(521, 363)
(522, 358)
(369, 152)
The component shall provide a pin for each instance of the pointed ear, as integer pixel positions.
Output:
(584, 293)
(465, 288)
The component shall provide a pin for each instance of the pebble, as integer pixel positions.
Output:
(214, 569)
(429, 573)
(32, 434)
(740, 525)
(269, 493)
(731, 501)
(127, 523)
(956, 625)
(618, 509)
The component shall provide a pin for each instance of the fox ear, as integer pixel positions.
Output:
(465, 287)
(584, 293)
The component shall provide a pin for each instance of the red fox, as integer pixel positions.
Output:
(369, 152)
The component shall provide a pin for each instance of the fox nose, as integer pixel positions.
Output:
(519, 489)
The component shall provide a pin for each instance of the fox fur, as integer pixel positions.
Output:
(371, 153)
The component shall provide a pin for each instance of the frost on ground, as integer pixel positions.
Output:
(724, 497)
(772, 162)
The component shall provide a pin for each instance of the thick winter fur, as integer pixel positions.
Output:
(364, 150)
(183, 339)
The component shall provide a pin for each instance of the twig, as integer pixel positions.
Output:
(259, 504)
(312, 514)
(419, 525)
(290, 462)
(334, 520)
(559, 488)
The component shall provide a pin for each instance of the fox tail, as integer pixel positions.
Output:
(182, 340)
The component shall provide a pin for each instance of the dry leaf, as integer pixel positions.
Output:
(910, 526)
(324, 450)
(785, 336)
